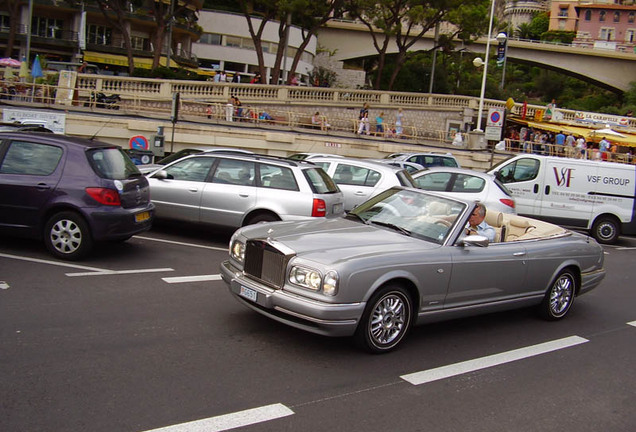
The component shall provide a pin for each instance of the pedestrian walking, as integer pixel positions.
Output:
(364, 119)
(229, 109)
(398, 123)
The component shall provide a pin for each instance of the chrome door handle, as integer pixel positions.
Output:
(519, 254)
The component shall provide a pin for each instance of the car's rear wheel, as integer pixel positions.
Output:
(386, 319)
(559, 298)
(606, 230)
(261, 217)
(67, 236)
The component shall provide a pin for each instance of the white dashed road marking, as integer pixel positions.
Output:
(223, 249)
(231, 421)
(201, 278)
(119, 272)
(448, 371)
(633, 323)
(90, 271)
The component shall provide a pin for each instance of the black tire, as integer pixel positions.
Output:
(67, 236)
(559, 298)
(606, 230)
(262, 217)
(386, 320)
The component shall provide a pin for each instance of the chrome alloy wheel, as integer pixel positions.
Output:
(561, 295)
(389, 319)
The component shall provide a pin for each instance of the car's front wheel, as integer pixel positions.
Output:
(67, 236)
(559, 298)
(386, 319)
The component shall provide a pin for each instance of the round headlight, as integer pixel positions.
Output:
(237, 250)
(305, 278)
(330, 284)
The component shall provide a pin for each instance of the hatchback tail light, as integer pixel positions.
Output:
(319, 209)
(104, 196)
(508, 202)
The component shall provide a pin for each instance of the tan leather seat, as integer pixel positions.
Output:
(517, 227)
(495, 220)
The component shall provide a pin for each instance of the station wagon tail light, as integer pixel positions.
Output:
(508, 202)
(319, 209)
(237, 250)
(305, 278)
(104, 196)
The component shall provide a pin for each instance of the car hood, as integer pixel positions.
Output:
(331, 240)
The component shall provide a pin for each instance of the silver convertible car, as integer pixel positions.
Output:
(402, 259)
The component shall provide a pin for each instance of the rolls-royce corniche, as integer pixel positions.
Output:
(403, 258)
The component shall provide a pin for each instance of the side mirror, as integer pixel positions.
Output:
(475, 240)
(161, 175)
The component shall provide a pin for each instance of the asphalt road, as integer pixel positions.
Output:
(144, 336)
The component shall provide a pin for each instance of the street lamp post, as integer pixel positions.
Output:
(502, 54)
(485, 63)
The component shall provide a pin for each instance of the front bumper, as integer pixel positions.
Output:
(322, 318)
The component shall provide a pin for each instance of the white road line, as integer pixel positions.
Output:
(119, 272)
(57, 263)
(443, 372)
(633, 323)
(231, 421)
(201, 278)
(182, 243)
(91, 271)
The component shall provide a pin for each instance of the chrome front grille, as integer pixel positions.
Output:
(265, 263)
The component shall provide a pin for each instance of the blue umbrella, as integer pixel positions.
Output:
(36, 69)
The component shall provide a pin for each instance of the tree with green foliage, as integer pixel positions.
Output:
(533, 30)
(407, 21)
(119, 8)
(308, 15)
(164, 14)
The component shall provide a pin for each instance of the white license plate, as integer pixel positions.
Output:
(248, 293)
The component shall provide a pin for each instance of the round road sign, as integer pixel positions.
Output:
(138, 142)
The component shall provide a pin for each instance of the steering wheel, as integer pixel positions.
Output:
(443, 222)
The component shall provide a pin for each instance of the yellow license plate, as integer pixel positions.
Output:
(143, 216)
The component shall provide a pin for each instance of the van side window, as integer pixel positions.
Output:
(518, 171)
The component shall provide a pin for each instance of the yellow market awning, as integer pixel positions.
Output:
(120, 60)
(628, 140)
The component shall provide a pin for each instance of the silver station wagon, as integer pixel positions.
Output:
(402, 259)
(233, 190)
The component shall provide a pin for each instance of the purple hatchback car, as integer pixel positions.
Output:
(70, 191)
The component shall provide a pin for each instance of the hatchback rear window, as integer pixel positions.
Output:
(320, 181)
(112, 163)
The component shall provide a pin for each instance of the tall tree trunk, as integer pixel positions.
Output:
(13, 7)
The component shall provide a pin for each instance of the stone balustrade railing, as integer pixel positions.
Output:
(204, 91)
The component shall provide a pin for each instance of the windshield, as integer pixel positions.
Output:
(412, 213)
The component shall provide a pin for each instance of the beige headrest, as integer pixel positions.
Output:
(519, 222)
(494, 218)
(438, 208)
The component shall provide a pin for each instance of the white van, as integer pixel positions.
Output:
(593, 195)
